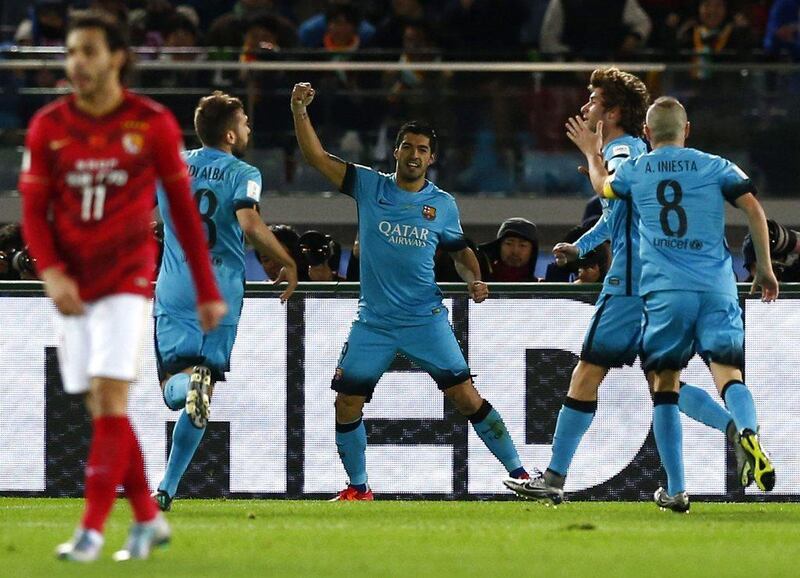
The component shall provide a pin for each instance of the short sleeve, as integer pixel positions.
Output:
(247, 193)
(452, 235)
(615, 155)
(733, 181)
(360, 180)
(620, 181)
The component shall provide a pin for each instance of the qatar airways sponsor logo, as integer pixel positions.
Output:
(399, 234)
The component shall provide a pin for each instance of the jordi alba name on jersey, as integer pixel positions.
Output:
(221, 184)
(623, 223)
(398, 233)
(680, 193)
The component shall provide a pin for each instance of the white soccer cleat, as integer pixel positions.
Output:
(143, 537)
(198, 402)
(85, 546)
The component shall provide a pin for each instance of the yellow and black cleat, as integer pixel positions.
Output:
(759, 465)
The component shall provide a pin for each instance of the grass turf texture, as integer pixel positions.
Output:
(309, 538)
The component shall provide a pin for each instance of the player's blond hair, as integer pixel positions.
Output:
(666, 119)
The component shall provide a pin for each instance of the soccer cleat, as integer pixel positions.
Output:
(351, 494)
(743, 470)
(198, 406)
(535, 488)
(85, 546)
(163, 500)
(759, 465)
(142, 538)
(678, 503)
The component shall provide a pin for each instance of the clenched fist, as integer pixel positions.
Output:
(302, 95)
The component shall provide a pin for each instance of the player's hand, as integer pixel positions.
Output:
(287, 275)
(765, 280)
(63, 290)
(302, 95)
(210, 314)
(588, 141)
(479, 291)
(565, 253)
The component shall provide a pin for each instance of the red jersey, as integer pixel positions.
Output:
(88, 190)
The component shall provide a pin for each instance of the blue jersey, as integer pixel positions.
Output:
(680, 194)
(620, 224)
(398, 234)
(222, 184)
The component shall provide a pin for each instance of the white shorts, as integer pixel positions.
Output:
(103, 342)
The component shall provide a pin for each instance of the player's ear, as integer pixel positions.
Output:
(433, 159)
(687, 130)
(647, 133)
(395, 153)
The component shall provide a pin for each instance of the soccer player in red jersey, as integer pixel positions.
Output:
(88, 186)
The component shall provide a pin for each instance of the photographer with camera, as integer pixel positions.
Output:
(322, 255)
(16, 262)
(784, 253)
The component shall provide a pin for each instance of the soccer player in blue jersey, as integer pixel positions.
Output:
(227, 191)
(688, 284)
(403, 218)
(618, 102)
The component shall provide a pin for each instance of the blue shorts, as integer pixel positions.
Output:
(679, 323)
(180, 344)
(615, 332)
(370, 350)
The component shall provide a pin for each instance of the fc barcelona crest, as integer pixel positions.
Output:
(429, 212)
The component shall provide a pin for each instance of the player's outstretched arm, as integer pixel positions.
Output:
(590, 144)
(469, 270)
(757, 223)
(331, 167)
(267, 244)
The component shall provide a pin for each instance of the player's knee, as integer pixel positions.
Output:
(348, 407)
(109, 397)
(464, 397)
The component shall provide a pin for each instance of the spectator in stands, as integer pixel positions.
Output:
(289, 238)
(592, 29)
(46, 26)
(390, 32)
(322, 255)
(714, 32)
(228, 30)
(148, 24)
(512, 255)
(781, 36)
(339, 28)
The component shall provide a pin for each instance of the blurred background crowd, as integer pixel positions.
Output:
(732, 62)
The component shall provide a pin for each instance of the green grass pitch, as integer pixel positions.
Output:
(233, 538)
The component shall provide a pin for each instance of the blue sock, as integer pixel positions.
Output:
(175, 391)
(489, 426)
(669, 438)
(740, 403)
(185, 439)
(573, 421)
(351, 441)
(698, 405)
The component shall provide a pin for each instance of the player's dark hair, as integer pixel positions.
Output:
(115, 31)
(214, 116)
(625, 91)
(343, 8)
(417, 127)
